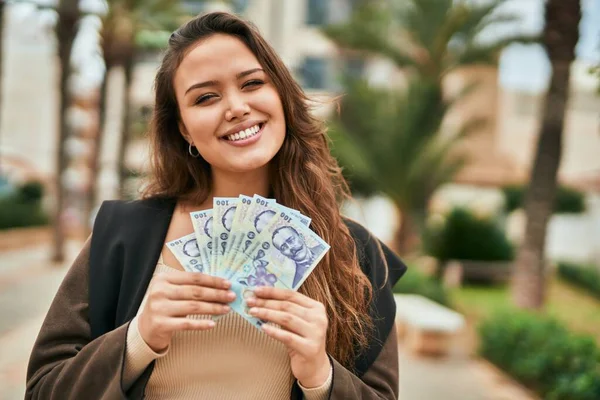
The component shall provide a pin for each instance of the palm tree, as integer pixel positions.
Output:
(124, 20)
(156, 15)
(430, 37)
(66, 30)
(390, 140)
(560, 37)
(115, 25)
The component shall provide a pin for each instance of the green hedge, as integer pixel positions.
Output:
(584, 276)
(463, 236)
(415, 282)
(540, 353)
(22, 207)
(567, 200)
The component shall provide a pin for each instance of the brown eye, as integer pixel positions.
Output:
(204, 98)
(253, 83)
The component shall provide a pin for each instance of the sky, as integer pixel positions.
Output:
(526, 68)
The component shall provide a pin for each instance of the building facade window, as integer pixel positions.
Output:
(317, 12)
(354, 67)
(313, 73)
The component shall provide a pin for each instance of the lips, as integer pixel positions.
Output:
(244, 134)
(243, 130)
(250, 136)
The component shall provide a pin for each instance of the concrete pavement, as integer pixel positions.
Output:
(28, 283)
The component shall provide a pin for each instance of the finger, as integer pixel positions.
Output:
(279, 305)
(189, 324)
(199, 293)
(291, 340)
(269, 292)
(287, 320)
(197, 279)
(183, 308)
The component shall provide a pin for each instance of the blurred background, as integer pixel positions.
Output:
(469, 131)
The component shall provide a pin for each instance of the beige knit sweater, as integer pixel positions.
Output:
(234, 360)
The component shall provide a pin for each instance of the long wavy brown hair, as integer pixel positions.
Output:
(304, 176)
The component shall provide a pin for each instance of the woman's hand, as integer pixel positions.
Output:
(304, 330)
(174, 295)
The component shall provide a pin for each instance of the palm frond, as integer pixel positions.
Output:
(488, 53)
(369, 31)
(418, 17)
(480, 16)
(432, 36)
(394, 139)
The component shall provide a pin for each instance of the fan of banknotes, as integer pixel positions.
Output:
(251, 241)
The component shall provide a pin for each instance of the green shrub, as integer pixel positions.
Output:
(22, 207)
(513, 197)
(543, 355)
(465, 237)
(584, 276)
(31, 192)
(568, 200)
(415, 282)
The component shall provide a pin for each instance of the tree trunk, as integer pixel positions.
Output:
(95, 167)
(560, 37)
(66, 30)
(407, 233)
(126, 125)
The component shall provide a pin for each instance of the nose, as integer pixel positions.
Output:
(238, 108)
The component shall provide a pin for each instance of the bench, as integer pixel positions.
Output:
(426, 326)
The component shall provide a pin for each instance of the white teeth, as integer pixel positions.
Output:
(244, 134)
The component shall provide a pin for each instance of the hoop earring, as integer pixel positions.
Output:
(192, 154)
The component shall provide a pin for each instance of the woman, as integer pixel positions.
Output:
(229, 119)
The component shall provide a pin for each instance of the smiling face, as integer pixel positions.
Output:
(229, 108)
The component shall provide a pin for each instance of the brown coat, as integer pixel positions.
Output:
(68, 362)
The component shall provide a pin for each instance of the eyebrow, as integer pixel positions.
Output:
(214, 83)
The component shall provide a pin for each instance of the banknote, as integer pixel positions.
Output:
(186, 251)
(224, 209)
(252, 241)
(203, 226)
(239, 305)
(258, 216)
(242, 208)
(298, 215)
(284, 254)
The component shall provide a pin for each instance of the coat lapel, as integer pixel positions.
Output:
(126, 243)
(142, 253)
